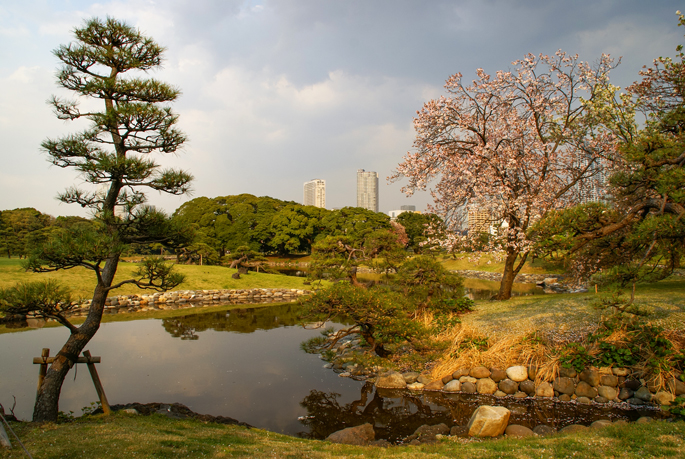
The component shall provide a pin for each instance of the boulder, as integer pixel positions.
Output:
(410, 377)
(583, 389)
(423, 379)
(391, 380)
(600, 399)
(643, 420)
(518, 431)
(452, 386)
(508, 386)
(607, 392)
(564, 385)
(619, 371)
(446, 379)
(488, 421)
(632, 384)
(497, 375)
(416, 386)
(517, 373)
(608, 380)
(543, 430)
(479, 372)
(499, 393)
(544, 390)
(643, 394)
(527, 386)
(520, 394)
(468, 387)
(573, 428)
(486, 386)
(470, 379)
(600, 423)
(635, 401)
(434, 385)
(460, 372)
(679, 387)
(459, 431)
(663, 398)
(567, 372)
(564, 398)
(590, 376)
(625, 394)
(359, 435)
(427, 434)
(583, 400)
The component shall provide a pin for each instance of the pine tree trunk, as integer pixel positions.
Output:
(47, 399)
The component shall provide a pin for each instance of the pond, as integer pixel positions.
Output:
(247, 364)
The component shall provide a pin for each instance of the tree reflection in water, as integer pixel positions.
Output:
(394, 415)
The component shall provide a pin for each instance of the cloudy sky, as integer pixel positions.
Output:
(278, 92)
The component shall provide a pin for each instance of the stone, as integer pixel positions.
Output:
(567, 372)
(416, 386)
(479, 372)
(643, 420)
(620, 422)
(518, 431)
(632, 384)
(434, 385)
(573, 428)
(532, 372)
(583, 400)
(130, 411)
(488, 421)
(679, 387)
(520, 394)
(459, 431)
(423, 379)
(544, 390)
(410, 377)
(497, 375)
(427, 434)
(635, 401)
(565, 398)
(600, 399)
(446, 379)
(608, 380)
(486, 386)
(470, 379)
(460, 372)
(583, 389)
(517, 373)
(508, 386)
(643, 394)
(590, 376)
(527, 386)
(360, 435)
(564, 385)
(544, 430)
(619, 371)
(499, 393)
(601, 423)
(663, 398)
(468, 387)
(607, 392)
(625, 394)
(391, 380)
(452, 386)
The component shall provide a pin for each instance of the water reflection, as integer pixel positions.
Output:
(397, 414)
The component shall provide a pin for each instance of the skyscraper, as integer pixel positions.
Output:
(315, 193)
(367, 190)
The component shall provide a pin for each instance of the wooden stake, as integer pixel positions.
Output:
(43, 360)
(97, 383)
(595, 288)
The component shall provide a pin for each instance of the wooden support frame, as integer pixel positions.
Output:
(44, 360)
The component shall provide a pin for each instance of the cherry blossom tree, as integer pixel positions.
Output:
(514, 145)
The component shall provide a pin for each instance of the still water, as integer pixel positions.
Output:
(247, 364)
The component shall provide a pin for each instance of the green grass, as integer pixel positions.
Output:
(662, 302)
(488, 262)
(82, 281)
(122, 435)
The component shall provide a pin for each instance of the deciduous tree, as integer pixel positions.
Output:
(517, 144)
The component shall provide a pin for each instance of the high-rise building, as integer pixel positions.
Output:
(367, 190)
(315, 193)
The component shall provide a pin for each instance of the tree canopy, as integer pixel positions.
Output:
(514, 146)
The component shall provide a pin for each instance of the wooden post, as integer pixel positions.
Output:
(43, 368)
(97, 383)
(595, 288)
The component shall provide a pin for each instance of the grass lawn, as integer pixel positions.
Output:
(487, 262)
(82, 281)
(124, 435)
